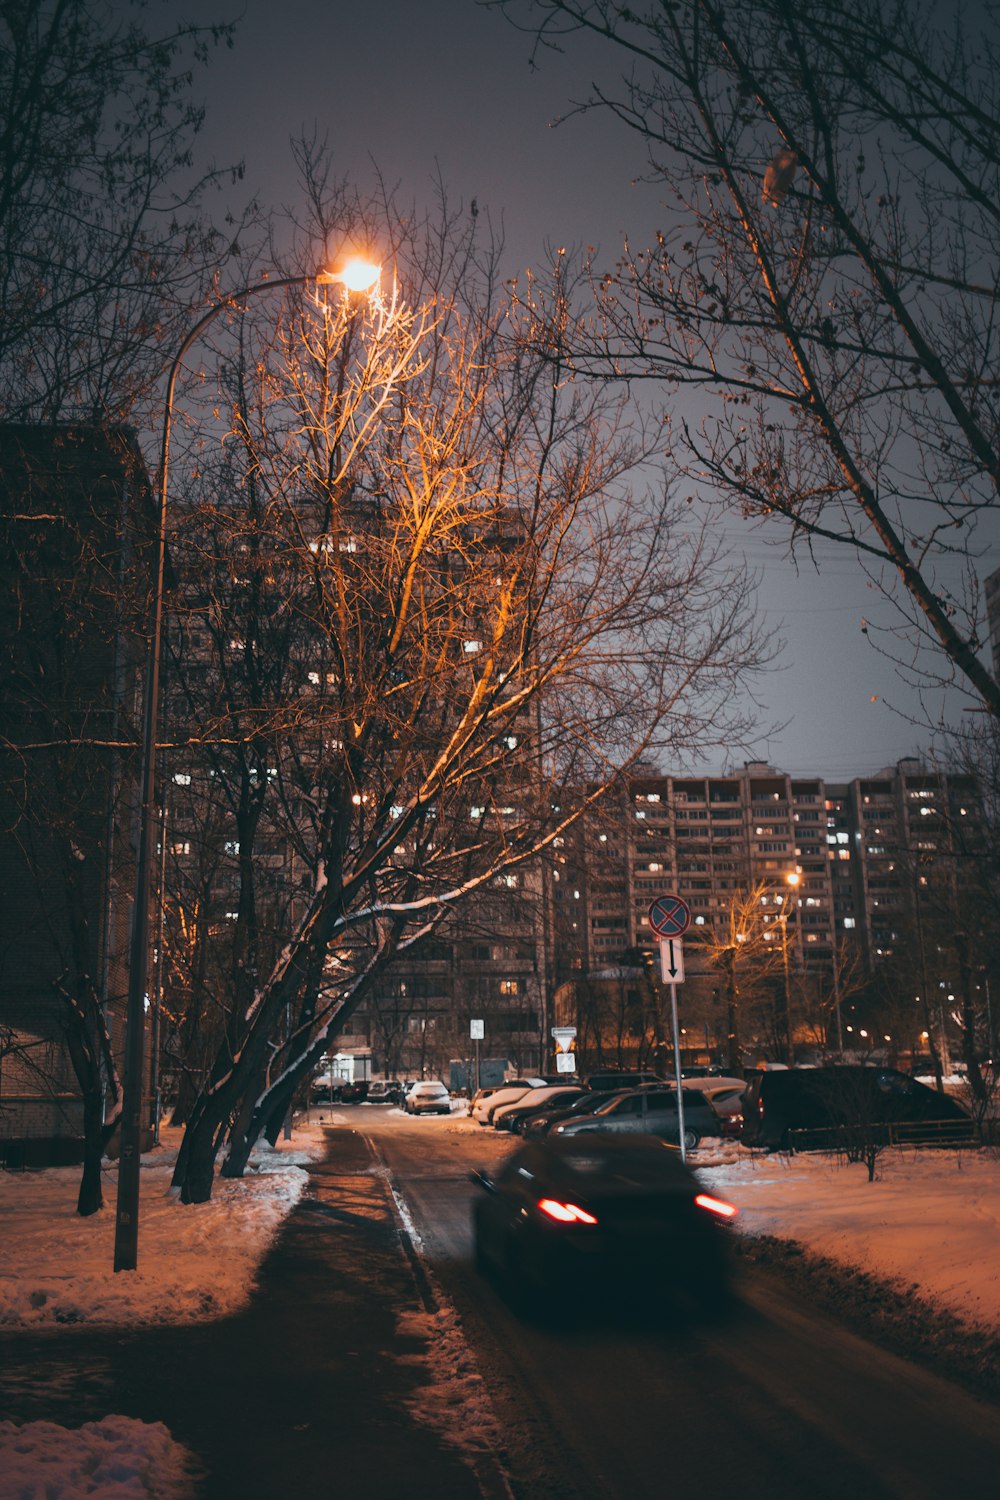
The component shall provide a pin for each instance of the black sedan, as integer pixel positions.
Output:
(567, 1215)
(542, 1121)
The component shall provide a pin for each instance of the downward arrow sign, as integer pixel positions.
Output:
(672, 960)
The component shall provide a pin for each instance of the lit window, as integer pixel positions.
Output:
(182, 778)
(471, 647)
(509, 986)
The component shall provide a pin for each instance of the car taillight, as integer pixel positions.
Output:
(716, 1206)
(565, 1213)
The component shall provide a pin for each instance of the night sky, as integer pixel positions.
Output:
(419, 86)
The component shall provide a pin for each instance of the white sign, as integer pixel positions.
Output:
(564, 1037)
(565, 1062)
(477, 1031)
(672, 960)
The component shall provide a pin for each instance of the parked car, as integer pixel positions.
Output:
(352, 1093)
(827, 1101)
(385, 1091)
(649, 1111)
(484, 1093)
(624, 1210)
(428, 1098)
(726, 1098)
(510, 1092)
(589, 1103)
(505, 1115)
(526, 1112)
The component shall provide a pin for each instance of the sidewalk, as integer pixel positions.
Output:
(304, 1393)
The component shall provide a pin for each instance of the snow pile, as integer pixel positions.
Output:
(115, 1459)
(931, 1219)
(195, 1261)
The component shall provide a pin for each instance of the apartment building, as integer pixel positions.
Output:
(75, 525)
(849, 848)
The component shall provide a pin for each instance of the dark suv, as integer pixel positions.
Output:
(826, 1101)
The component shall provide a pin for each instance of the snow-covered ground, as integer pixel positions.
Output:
(194, 1262)
(931, 1219)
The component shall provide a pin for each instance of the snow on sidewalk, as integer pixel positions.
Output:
(115, 1459)
(195, 1261)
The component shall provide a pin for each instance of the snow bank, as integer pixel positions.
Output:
(931, 1219)
(114, 1459)
(195, 1261)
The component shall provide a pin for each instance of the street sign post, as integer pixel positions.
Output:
(669, 916)
(477, 1031)
(565, 1040)
(672, 960)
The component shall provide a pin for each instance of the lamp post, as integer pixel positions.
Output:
(356, 276)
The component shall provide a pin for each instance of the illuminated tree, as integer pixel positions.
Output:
(425, 566)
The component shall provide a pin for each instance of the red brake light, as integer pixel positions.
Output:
(565, 1213)
(716, 1206)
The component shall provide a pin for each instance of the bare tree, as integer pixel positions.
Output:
(473, 612)
(737, 945)
(825, 283)
(103, 242)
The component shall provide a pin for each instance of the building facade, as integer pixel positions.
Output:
(75, 515)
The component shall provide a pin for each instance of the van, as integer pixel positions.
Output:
(825, 1100)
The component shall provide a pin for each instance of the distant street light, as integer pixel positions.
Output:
(356, 276)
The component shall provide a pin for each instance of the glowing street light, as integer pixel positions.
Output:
(357, 275)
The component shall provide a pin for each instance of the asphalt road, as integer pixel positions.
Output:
(775, 1401)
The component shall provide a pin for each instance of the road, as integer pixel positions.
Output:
(777, 1401)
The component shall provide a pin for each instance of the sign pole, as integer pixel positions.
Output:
(677, 1069)
(669, 917)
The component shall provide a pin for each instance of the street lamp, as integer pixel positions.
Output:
(356, 276)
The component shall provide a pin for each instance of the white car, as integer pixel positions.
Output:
(430, 1098)
(484, 1110)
